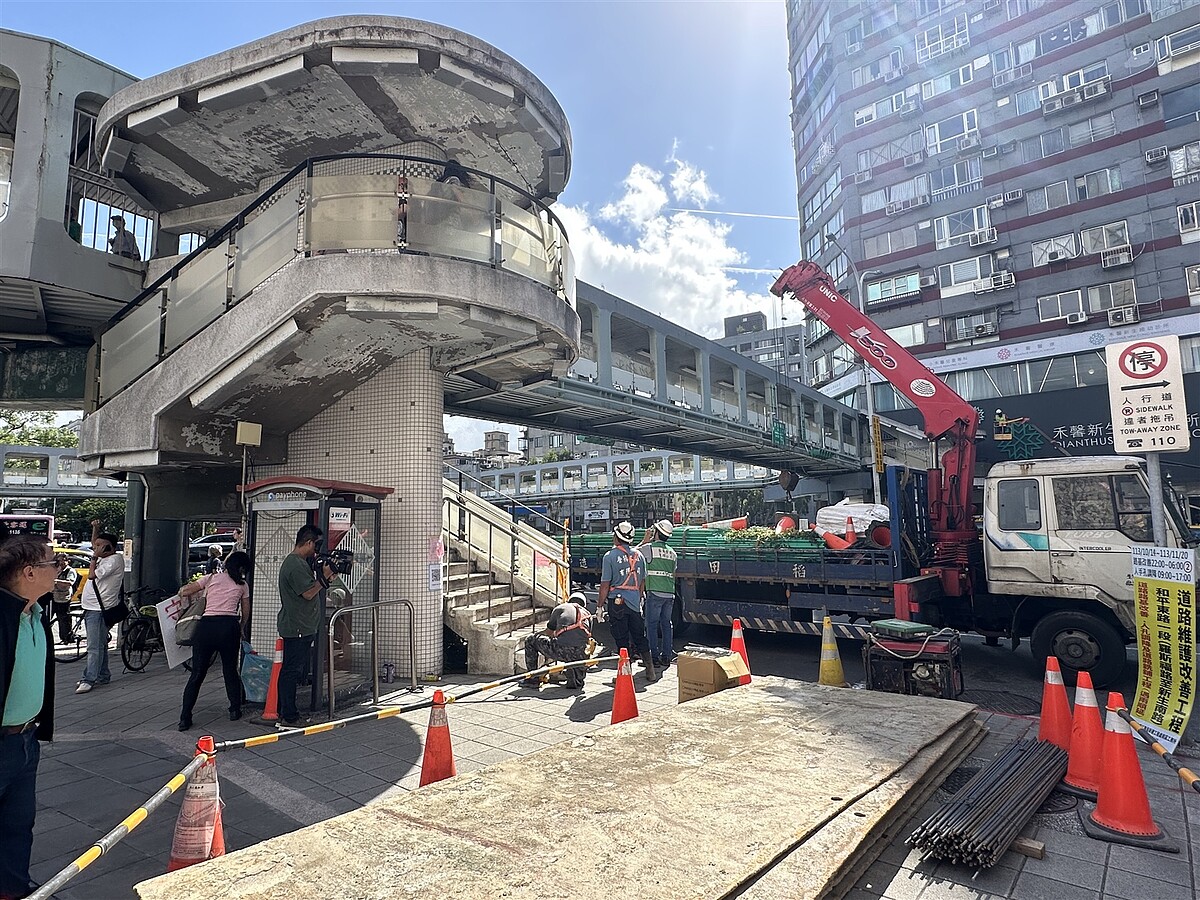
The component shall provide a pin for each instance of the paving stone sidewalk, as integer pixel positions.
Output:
(118, 744)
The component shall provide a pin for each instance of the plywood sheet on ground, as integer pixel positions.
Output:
(686, 802)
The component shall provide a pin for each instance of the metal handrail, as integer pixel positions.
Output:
(508, 497)
(412, 646)
(517, 540)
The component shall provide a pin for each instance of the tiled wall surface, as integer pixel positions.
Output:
(388, 432)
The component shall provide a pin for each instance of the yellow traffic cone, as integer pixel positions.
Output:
(831, 664)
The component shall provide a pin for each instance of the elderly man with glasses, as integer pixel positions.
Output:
(27, 572)
(103, 592)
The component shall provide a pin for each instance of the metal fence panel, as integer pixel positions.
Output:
(356, 212)
(451, 220)
(130, 347)
(523, 240)
(197, 295)
(267, 243)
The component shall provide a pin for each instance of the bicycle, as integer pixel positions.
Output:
(76, 646)
(142, 634)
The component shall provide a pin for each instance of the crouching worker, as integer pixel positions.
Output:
(566, 639)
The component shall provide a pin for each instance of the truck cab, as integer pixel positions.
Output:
(1056, 535)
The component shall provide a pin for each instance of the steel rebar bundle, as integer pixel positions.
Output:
(978, 823)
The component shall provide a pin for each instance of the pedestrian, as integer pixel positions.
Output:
(105, 578)
(226, 612)
(565, 640)
(299, 615)
(660, 591)
(123, 243)
(27, 571)
(214, 564)
(65, 583)
(622, 590)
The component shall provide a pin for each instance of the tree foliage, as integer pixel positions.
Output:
(76, 516)
(34, 429)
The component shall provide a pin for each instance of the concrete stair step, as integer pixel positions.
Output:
(454, 569)
(471, 596)
(464, 581)
(499, 608)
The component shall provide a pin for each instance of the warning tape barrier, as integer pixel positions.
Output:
(1187, 775)
(139, 815)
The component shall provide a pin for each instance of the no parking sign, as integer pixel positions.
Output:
(1145, 393)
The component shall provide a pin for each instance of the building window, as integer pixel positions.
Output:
(1104, 237)
(890, 242)
(1058, 306)
(874, 21)
(958, 178)
(1098, 183)
(1072, 80)
(1181, 107)
(956, 228)
(894, 287)
(1103, 297)
(1014, 55)
(959, 277)
(944, 135)
(829, 191)
(942, 38)
(1015, 8)
(894, 149)
(951, 81)
(908, 335)
(904, 190)
(1179, 43)
(1188, 220)
(1046, 144)
(805, 64)
(816, 118)
(881, 109)
(878, 69)
(1185, 163)
(1027, 100)
(1192, 274)
(837, 268)
(1097, 128)
(1055, 249)
(973, 326)
(1052, 196)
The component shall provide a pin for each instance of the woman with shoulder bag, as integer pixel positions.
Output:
(226, 611)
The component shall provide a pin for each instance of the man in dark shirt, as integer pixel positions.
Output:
(565, 639)
(123, 243)
(299, 616)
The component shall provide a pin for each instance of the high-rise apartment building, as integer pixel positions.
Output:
(1018, 184)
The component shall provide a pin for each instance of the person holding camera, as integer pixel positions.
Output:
(299, 615)
(226, 612)
(103, 591)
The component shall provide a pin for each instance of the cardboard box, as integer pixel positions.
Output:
(703, 670)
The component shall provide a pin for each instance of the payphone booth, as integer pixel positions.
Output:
(349, 514)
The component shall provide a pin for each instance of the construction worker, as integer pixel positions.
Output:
(660, 591)
(565, 639)
(622, 592)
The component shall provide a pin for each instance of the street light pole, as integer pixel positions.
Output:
(859, 278)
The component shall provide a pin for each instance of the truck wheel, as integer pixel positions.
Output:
(1082, 643)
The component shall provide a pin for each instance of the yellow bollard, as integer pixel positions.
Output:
(831, 664)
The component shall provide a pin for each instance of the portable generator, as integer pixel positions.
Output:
(906, 658)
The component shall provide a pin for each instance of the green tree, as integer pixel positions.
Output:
(76, 516)
(34, 429)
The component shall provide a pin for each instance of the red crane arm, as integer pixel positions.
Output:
(946, 414)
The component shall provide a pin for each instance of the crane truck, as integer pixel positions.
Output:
(1049, 561)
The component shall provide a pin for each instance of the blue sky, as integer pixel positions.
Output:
(672, 106)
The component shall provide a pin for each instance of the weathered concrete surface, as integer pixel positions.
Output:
(690, 802)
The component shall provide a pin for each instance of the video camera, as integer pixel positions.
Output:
(340, 562)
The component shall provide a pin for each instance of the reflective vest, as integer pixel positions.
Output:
(631, 583)
(581, 618)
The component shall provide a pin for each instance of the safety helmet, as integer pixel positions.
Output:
(664, 527)
(624, 531)
(577, 597)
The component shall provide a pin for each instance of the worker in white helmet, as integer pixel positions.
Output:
(660, 591)
(622, 594)
(565, 640)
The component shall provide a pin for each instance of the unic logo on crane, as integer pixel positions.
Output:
(875, 348)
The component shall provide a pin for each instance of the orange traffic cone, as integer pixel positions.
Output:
(1122, 813)
(738, 645)
(271, 709)
(1087, 736)
(832, 541)
(1055, 726)
(437, 762)
(199, 834)
(851, 534)
(624, 700)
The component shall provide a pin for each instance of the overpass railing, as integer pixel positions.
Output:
(359, 203)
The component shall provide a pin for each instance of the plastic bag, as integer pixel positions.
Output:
(256, 674)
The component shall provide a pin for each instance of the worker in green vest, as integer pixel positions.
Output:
(660, 591)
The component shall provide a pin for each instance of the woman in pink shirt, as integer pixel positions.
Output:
(226, 611)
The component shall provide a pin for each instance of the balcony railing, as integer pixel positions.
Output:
(363, 203)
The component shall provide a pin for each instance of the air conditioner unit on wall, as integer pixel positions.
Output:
(982, 236)
(1096, 89)
(852, 48)
(991, 152)
(1055, 256)
(991, 6)
(1123, 315)
(985, 329)
(995, 201)
(893, 74)
(1014, 196)
(928, 281)
(1116, 257)
(1150, 98)
(1156, 155)
(862, 177)
(913, 159)
(1000, 79)
(909, 109)
(1051, 106)
(968, 142)
(1076, 318)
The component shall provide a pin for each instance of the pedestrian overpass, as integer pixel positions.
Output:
(51, 473)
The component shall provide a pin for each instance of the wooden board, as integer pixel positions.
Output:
(686, 802)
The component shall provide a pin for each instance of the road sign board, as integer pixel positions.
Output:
(1145, 395)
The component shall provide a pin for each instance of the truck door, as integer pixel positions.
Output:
(1096, 519)
(1017, 546)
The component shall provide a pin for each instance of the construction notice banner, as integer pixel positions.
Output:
(1164, 590)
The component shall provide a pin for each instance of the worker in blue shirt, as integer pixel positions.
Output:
(622, 594)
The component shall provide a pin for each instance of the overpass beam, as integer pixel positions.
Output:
(603, 335)
(739, 389)
(704, 375)
(658, 350)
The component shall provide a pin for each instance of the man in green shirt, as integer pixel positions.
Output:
(299, 616)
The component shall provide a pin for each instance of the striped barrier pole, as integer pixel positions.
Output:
(1189, 777)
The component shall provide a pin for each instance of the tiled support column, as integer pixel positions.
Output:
(388, 432)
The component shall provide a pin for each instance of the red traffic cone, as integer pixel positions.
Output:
(1087, 736)
(271, 709)
(624, 699)
(198, 831)
(437, 762)
(738, 645)
(1122, 813)
(851, 534)
(832, 541)
(1055, 725)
